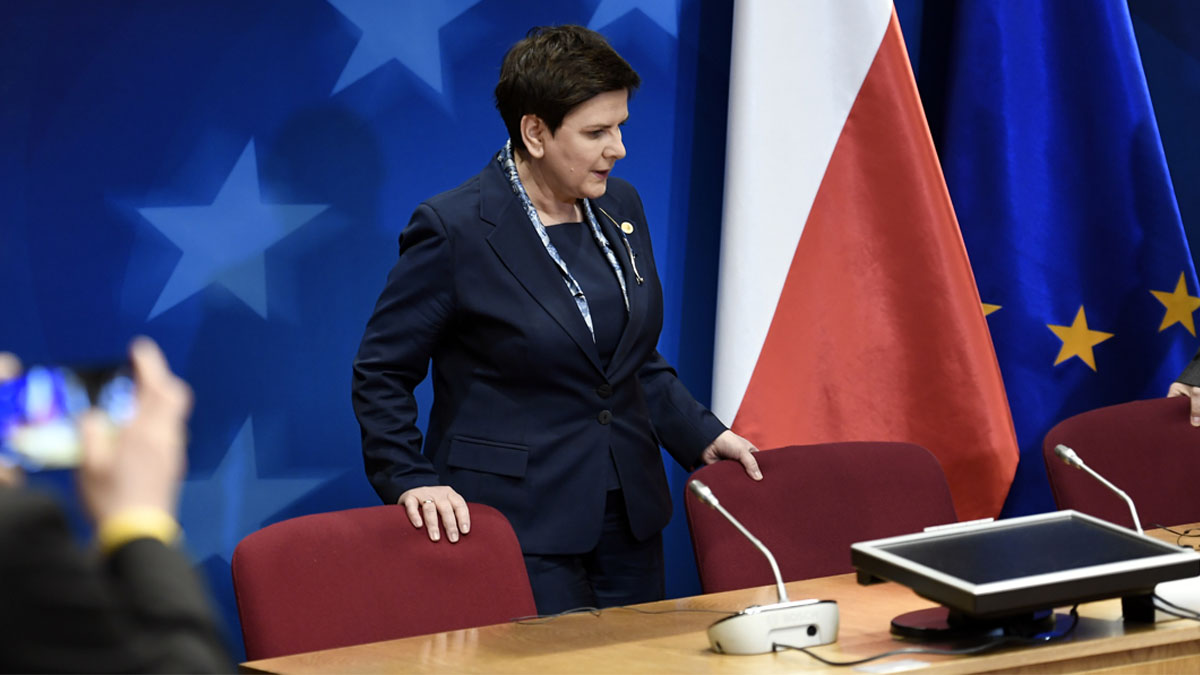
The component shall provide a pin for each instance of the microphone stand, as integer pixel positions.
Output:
(757, 629)
(1139, 608)
(1070, 458)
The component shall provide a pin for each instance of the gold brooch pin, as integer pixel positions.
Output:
(627, 228)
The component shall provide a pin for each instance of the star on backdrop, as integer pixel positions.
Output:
(409, 32)
(988, 309)
(1180, 306)
(1078, 340)
(665, 14)
(225, 242)
(234, 501)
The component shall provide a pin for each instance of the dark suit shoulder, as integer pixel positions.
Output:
(622, 190)
(463, 203)
(455, 198)
(487, 197)
(23, 511)
(622, 197)
(66, 609)
(15, 499)
(1191, 373)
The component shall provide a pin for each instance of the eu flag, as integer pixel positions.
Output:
(1056, 169)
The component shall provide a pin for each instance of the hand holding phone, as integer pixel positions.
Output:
(142, 464)
(39, 412)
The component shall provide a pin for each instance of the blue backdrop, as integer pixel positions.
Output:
(230, 177)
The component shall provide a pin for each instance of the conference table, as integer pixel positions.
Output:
(669, 637)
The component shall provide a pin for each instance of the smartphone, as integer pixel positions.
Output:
(39, 411)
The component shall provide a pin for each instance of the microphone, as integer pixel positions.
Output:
(1068, 456)
(1185, 592)
(758, 629)
(705, 494)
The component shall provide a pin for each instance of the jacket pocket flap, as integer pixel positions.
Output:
(505, 459)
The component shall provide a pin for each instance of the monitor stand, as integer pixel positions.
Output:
(940, 624)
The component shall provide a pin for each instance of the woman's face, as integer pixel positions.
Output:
(578, 157)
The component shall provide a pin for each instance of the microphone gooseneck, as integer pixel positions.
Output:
(760, 629)
(1070, 458)
(705, 494)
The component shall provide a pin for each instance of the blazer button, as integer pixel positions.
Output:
(604, 390)
(604, 417)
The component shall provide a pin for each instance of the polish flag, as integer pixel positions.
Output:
(847, 309)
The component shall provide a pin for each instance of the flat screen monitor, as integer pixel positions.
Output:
(1020, 565)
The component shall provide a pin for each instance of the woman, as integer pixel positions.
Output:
(532, 288)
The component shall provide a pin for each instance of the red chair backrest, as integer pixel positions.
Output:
(813, 502)
(363, 575)
(1146, 448)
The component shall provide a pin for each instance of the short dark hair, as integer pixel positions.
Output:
(552, 70)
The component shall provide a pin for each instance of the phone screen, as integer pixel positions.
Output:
(38, 412)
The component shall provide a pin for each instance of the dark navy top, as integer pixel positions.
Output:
(595, 277)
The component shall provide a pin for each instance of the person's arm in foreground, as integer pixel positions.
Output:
(138, 605)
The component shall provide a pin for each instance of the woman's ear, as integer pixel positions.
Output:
(533, 132)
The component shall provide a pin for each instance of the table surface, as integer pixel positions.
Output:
(669, 636)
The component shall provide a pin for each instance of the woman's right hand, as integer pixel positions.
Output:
(425, 504)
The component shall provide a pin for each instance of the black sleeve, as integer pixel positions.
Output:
(1191, 374)
(65, 609)
(684, 427)
(413, 309)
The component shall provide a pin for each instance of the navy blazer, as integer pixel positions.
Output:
(523, 411)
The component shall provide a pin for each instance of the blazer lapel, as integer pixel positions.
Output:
(637, 292)
(517, 245)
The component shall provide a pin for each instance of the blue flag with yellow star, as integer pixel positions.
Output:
(1054, 163)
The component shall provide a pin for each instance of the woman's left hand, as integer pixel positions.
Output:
(731, 446)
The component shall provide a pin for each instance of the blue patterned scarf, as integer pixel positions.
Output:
(505, 157)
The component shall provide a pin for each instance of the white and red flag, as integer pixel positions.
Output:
(847, 308)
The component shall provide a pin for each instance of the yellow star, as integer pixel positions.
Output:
(1179, 306)
(1077, 340)
(988, 309)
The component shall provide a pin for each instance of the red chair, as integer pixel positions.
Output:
(1146, 448)
(363, 575)
(813, 502)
